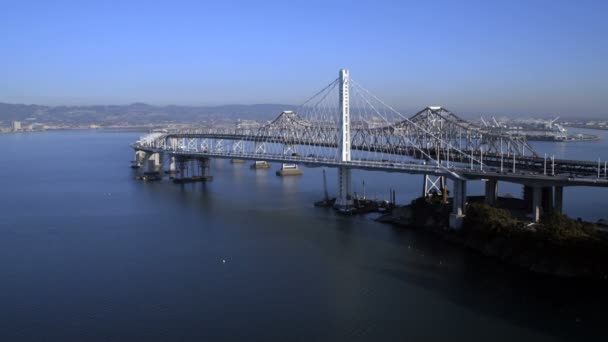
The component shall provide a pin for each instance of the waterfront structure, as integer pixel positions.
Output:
(347, 127)
(16, 126)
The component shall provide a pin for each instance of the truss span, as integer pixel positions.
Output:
(434, 140)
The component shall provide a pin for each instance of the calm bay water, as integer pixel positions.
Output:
(89, 254)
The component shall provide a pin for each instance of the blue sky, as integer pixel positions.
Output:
(509, 57)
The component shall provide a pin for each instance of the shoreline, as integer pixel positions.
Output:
(558, 246)
(65, 129)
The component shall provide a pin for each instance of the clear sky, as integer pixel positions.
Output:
(498, 57)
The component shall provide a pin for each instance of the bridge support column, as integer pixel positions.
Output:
(172, 164)
(547, 201)
(491, 191)
(203, 169)
(140, 159)
(459, 199)
(537, 194)
(344, 199)
(154, 162)
(160, 161)
(558, 200)
(192, 170)
(344, 188)
(150, 162)
(182, 167)
(527, 198)
(344, 101)
(260, 164)
(289, 170)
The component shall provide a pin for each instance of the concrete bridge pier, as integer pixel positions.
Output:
(289, 170)
(558, 199)
(541, 199)
(159, 161)
(537, 209)
(344, 199)
(260, 164)
(203, 168)
(459, 198)
(172, 165)
(491, 191)
(182, 167)
(533, 200)
(547, 199)
(140, 159)
(154, 162)
(192, 170)
(527, 198)
(149, 163)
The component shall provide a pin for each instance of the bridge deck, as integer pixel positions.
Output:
(455, 171)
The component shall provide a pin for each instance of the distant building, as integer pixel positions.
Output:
(16, 126)
(37, 126)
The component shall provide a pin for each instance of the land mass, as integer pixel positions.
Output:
(557, 245)
(136, 114)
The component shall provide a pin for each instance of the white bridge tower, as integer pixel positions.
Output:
(344, 180)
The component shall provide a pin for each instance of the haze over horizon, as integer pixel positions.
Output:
(515, 58)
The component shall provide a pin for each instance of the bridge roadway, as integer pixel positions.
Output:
(456, 170)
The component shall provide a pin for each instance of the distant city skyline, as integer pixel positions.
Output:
(515, 58)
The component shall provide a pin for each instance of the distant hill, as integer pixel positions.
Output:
(136, 113)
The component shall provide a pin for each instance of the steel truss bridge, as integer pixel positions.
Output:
(345, 126)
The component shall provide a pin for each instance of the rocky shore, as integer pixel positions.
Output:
(557, 245)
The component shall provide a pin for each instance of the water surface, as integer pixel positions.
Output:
(89, 254)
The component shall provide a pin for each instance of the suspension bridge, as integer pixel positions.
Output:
(345, 126)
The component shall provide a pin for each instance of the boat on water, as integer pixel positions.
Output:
(192, 179)
(326, 203)
(346, 210)
(360, 204)
(150, 176)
